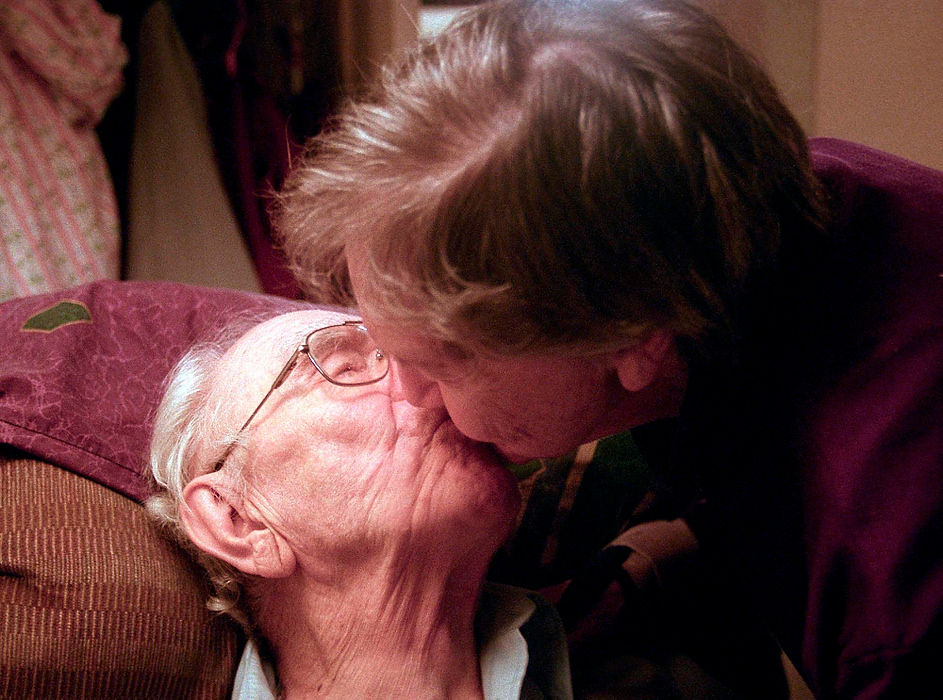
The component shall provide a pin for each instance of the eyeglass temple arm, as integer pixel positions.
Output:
(279, 380)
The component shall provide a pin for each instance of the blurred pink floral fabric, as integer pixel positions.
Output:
(61, 66)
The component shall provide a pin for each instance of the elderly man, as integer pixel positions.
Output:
(566, 219)
(348, 531)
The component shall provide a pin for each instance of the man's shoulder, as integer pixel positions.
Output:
(505, 609)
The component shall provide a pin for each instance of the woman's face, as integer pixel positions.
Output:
(340, 470)
(526, 407)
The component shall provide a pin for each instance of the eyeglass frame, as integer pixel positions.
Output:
(303, 348)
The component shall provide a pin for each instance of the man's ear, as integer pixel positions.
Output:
(216, 521)
(638, 365)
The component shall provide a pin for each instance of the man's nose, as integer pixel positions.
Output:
(410, 384)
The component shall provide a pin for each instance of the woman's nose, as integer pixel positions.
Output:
(410, 384)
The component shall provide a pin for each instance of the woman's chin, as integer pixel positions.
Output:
(511, 455)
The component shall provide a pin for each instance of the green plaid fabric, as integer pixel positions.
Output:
(573, 506)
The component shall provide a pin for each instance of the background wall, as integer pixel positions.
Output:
(879, 75)
(867, 71)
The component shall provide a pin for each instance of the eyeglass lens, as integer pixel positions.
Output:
(347, 355)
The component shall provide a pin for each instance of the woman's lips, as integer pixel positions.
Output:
(482, 450)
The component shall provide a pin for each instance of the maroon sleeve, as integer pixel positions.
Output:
(876, 528)
(874, 626)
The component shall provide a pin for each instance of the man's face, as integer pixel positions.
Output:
(337, 469)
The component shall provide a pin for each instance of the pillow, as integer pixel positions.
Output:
(83, 370)
(94, 602)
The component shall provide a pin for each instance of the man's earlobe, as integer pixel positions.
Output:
(638, 366)
(216, 522)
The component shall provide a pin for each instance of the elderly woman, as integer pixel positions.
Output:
(348, 531)
(564, 220)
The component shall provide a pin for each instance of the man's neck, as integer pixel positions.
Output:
(378, 633)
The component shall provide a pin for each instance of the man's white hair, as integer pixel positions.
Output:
(187, 422)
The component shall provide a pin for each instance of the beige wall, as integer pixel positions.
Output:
(369, 31)
(879, 75)
(782, 34)
(866, 70)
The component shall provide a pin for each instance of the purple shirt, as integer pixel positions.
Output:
(821, 449)
(874, 485)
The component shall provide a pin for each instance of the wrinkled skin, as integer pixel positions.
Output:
(527, 406)
(367, 524)
(340, 470)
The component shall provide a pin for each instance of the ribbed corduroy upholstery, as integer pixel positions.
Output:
(94, 602)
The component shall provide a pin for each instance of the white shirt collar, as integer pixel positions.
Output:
(503, 650)
(255, 678)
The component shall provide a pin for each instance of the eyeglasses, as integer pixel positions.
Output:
(344, 355)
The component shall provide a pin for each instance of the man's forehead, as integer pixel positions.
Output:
(271, 342)
(288, 329)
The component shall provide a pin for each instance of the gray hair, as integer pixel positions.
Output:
(187, 422)
(558, 175)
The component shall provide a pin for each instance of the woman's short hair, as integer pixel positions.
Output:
(557, 175)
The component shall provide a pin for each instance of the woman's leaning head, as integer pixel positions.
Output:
(556, 175)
